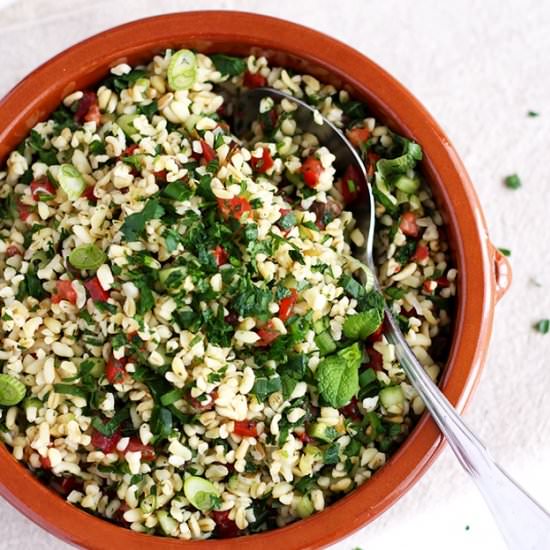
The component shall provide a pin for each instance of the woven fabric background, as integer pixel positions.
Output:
(478, 67)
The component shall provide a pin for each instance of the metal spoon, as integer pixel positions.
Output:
(524, 524)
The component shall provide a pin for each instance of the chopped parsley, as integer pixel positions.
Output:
(512, 181)
(543, 326)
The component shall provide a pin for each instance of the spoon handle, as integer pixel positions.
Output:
(524, 524)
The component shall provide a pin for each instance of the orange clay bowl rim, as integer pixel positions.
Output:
(305, 50)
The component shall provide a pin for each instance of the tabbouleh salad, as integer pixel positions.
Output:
(187, 347)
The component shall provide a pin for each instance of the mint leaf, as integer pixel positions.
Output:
(228, 65)
(338, 376)
(362, 325)
(134, 224)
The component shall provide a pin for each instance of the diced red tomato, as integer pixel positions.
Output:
(118, 516)
(351, 410)
(245, 428)
(88, 109)
(93, 114)
(208, 153)
(115, 370)
(286, 305)
(254, 80)
(89, 193)
(408, 224)
(234, 208)
(372, 159)
(65, 485)
(352, 185)
(130, 150)
(24, 211)
(12, 250)
(69, 484)
(220, 255)
(105, 443)
(231, 318)
(422, 253)
(443, 282)
(267, 335)
(311, 171)
(358, 136)
(94, 288)
(225, 528)
(375, 359)
(42, 189)
(376, 336)
(429, 286)
(65, 291)
(147, 451)
(201, 405)
(160, 175)
(268, 121)
(304, 437)
(262, 164)
(45, 463)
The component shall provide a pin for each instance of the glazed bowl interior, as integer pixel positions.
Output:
(306, 51)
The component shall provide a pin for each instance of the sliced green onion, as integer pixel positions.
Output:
(200, 492)
(32, 402)
(126, 123)
(182, 70)
(171, 397)
(87, 256)
(12, 390)
(148, 504)
(71, 181)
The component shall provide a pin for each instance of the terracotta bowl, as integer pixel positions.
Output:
(484, 274)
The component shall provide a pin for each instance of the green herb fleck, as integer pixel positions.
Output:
(512, 181)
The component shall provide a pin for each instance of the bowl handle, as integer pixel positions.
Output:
(503, 271)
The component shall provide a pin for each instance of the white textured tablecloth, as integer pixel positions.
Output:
(478, 67)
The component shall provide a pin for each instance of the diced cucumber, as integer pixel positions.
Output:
(407, 185)
(361, 325)
(392, 398)
(126, 124)
(320, 326)
(367, 377)
(321, 431)
(304, 508)
(200, 492)
(167, 523)
(325, 343)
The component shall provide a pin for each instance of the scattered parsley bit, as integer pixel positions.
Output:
(532, 114)
(543, 326)
(512, 181)
(505, 252)
(134, 224)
